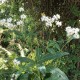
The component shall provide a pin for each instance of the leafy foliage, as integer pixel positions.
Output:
(30, 50)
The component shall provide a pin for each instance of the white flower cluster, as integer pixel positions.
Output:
(74, 32)
(22, 16)
(16, 62)
(2, 1)
(49, 21)
(11, 22)
(14, 76)
(20, 22)
(21, 9)
(7, 23)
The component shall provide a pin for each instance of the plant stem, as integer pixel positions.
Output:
(66, 43)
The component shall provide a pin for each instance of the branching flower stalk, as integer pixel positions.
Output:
(69, 39)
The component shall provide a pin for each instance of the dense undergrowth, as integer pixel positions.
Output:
(36, 46)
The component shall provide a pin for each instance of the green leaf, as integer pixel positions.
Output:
(23, 77)
(54, 44)
(48, 56)
(57, 74)
(71, 22)
(51, 50)
(75, 10)
(24, 59)
(38, 53)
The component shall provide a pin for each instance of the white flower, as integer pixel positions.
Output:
(50, 20)
(58, 23)
(76, 36)
(20, 22)
(55, 17)
(58, 16)
(9, 20)
(48, 24)
(9, 25)
(2, 22)
(69, 31)
(68, 28)
(16, 62)
(44, 18)
(72, 32)
(21, 9)
(2, 1)
(23, 16)
(77, 30)
(14, 76)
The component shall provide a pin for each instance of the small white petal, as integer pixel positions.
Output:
(58, 23)
(23, 16)
(21, 9)
(76, 36)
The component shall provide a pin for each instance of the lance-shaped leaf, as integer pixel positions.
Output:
(57, 74)
(24, 59)
(48, 56)
(38, 53)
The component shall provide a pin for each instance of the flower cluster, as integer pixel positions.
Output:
(22, 16)
(12, 22)
(7, 23)
(49, 21)
(20, 22)
(21, 9)
(2, 1)
(14, 76)
(74, 32)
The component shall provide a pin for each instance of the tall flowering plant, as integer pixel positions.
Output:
(29, 56)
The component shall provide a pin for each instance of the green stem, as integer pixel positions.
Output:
(66, 43)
